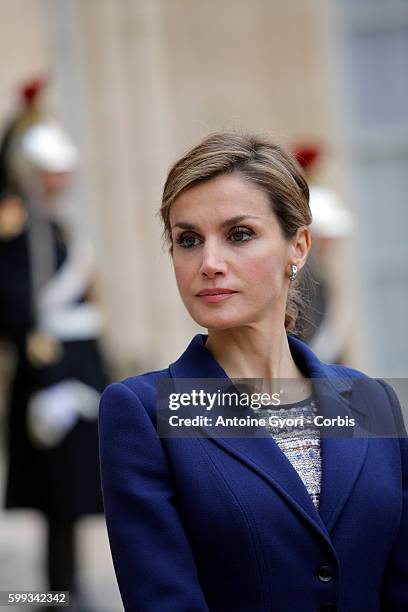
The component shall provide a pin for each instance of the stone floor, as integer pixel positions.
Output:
(22, 551)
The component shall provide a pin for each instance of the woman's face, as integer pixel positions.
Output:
(225, 236)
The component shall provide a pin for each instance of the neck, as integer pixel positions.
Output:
(249, 352)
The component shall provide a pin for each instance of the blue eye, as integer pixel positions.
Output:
(187, 242)
(240, 235)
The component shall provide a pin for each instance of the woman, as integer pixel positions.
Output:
(227, 524)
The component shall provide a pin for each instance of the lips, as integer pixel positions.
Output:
(218, 291)
(214, 296)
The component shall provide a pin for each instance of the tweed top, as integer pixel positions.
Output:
(301, 444)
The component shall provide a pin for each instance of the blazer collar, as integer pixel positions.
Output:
(197, 357)
(342, 457)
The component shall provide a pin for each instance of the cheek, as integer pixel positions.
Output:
(264, 269)
(184, 273)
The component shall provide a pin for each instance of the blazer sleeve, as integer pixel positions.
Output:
(152, 557)
(395, 584)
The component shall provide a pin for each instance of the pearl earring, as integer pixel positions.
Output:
(293, 272)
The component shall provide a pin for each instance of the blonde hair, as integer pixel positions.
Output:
(259, 161)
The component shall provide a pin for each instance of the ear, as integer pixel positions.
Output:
(300, 245)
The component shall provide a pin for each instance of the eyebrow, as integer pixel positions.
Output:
(231, 221)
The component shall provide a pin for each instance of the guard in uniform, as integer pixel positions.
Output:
(326, 321)
(47, 315)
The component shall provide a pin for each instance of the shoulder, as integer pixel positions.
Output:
(131, 396)
(354, 377)
(376, 393)
(342, 371)
(127, 429)
(351, 374)
(145, 385)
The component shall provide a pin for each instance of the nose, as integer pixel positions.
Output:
(213, 262)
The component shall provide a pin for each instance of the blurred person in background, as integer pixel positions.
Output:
(48, 316)
(326, 323)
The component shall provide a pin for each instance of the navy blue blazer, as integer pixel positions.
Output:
(227, 525)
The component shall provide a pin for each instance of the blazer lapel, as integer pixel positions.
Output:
(342, 458)
(342, 451)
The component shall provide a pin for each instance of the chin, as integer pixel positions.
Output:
(216, 326)
(216, 321)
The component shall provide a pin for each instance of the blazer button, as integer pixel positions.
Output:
(328, 607)
(325, 573)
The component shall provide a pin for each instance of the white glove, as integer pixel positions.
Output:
(53, 412)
